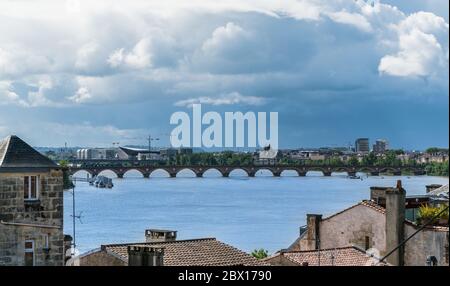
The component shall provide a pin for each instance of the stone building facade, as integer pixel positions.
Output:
(31, 207)
(378, 228)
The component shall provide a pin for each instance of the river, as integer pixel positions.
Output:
(248, 213)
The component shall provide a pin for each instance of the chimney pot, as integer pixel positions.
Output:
(160, 235)
(142, 255)
(399, 184)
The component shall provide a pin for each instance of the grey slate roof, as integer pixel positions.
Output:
(15, 153)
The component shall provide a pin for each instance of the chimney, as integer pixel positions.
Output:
(378, 195)
(395, 223)
(160, 235)
(313, 232)
(432, 187)
(141, 255)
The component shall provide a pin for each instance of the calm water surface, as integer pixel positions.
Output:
(261, 212)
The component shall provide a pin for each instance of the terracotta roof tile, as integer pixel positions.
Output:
(373, 206)
(344, 256)
(195, 252)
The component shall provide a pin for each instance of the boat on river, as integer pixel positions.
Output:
(102, 182)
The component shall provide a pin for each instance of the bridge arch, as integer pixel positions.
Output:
(317, 172)
(393, 170)
(342, 170)
(264, 172)
(366, 170)
(186, 172)
(159, 173)
(289, 172)
(108, 173)
(241, 172)
(81, 173)
(133, 173)
(212, 171)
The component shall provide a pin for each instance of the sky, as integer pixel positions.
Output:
(90, 74)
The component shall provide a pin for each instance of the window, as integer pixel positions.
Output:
(31, 187)
(29, 252)
(46, 238)
(367, 242)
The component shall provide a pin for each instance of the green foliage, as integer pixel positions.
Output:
(369, 160)
(353, 161)
(260, 253)
(398, 151)
(67, 183)
(209, 159)
(437, 169)
(426, 213)
(434, 150)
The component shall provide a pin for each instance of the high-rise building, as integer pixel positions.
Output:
(362, 145)
(380, 146)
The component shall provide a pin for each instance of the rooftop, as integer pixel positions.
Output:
(343, 256)
(376, 207)
(15, 153)
(194, 252)
(441, 192)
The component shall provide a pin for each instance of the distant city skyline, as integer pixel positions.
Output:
(334, 71)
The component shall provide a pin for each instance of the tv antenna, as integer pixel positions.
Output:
(73, 215)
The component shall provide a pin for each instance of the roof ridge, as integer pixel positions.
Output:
(373, 205)
(4, 143)
(341, 211)
(16, 153)
(323, 249)
(159, 242)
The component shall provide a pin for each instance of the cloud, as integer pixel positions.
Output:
(16, 60)
(8, 96)
(82, 95)
(222, 36)
(227, 99)
(420, 52)
(357, 20)
(38, 98)
(35, 97)
(100, 135)
(138, 58)
(145, 56)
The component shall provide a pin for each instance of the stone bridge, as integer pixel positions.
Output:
(251, 170)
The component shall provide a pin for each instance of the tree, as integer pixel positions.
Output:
(67, 183)
(369, 160)
(437, 169)
(433, 150)
(260, 253)
(353, 161)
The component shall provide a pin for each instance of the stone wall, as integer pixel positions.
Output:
(280, 260)
(46, 214)
(96, 258)
(351, 228)
(429, 242)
